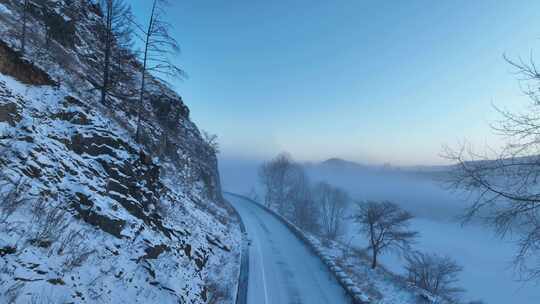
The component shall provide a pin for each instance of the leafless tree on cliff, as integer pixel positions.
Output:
(212, 141)
(158, 46)
(25, 6)
(116, 36)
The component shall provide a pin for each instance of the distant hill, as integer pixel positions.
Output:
(342, 163)
(339, 166)
(347, 164)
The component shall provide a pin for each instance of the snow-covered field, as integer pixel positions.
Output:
(486, 259)
(487, 273)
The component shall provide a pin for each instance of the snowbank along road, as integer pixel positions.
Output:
(282, 269)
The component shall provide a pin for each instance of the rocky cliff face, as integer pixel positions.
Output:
(86, 214)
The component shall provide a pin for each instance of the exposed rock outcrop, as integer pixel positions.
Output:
(94, 217)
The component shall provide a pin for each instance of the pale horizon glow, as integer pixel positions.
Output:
(385, 82)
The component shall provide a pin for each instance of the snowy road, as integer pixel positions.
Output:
(281, 269)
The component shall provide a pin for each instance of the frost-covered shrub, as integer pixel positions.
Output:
(49, 220)
(434, 273)
(73, 246)
(12, 196)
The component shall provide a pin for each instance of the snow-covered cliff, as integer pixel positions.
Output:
(87, 215)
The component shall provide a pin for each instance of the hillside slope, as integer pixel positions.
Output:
(87, 215)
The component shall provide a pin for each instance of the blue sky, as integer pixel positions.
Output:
(370, 81)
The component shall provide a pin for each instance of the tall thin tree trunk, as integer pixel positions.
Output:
(108, 46)
(141, 98)
(373, 246)
(25, 20)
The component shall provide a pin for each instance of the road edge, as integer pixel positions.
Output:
(355, 296)
(243, 274)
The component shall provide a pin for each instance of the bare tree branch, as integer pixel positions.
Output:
(504, 185)
(386, 226)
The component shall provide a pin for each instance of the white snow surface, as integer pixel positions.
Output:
(487, 273)
(200, 252)
(126, 229)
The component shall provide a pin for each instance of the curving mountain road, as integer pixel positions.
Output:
(282, 270)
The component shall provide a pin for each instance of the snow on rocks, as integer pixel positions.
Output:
(93, 216)
(116, 247)
(4, 9)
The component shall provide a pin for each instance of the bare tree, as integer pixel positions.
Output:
(288, 191)
(434, 273)
(212, 141)
(504, 184)
(386, 225)
(12, 195)
(273, 177)
(158, 45)
(49, 219)
(300, 207)
(116, 37)
(13, 190)
(74, 249)
(332, 203)
(24, 21)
